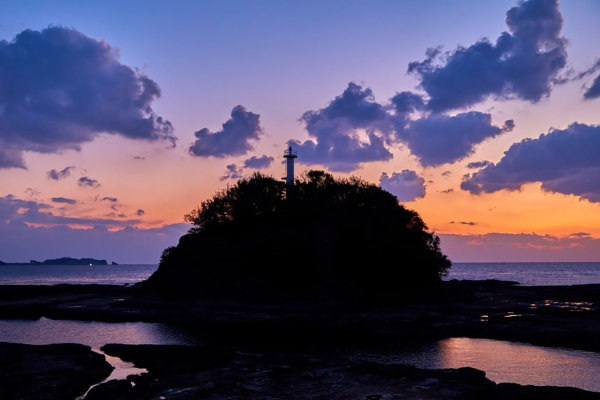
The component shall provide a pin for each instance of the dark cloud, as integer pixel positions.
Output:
(63, 200)
(58, 175)
(478, 164)
(232, 172)
(470, 223)
(439, 139)
(258, 162)
(111, 199)
(87, 181)
(234, 139)
(447, 191)
(564, 161)
(114, 207)
(60, 88)
(594, 90)
(522, 63)
(336, 141)
(140, 212)
(405, 185)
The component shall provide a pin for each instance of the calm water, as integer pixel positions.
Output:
(502, 361)
(506, 361)
(75, 274)
(525, 273)
(563, 273)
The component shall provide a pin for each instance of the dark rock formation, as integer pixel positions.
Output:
(58, 371)
(219, 373)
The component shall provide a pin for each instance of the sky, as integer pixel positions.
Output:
(118, 118)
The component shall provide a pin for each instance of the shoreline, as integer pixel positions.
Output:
(289, 342)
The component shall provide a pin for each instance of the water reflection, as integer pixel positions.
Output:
(91, 333)
(510, 362)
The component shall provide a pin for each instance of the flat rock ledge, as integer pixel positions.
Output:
(196, 372)
(56, 371)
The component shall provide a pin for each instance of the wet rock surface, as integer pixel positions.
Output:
(183, 372)
(567, 316)
(59, 371)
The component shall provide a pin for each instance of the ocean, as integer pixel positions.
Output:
(542, 273)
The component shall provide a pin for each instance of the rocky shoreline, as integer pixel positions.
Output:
(308, 350)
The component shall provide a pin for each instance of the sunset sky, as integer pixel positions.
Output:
(117, 118)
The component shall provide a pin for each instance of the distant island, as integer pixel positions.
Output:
(64, 261)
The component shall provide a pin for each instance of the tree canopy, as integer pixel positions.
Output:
(323, 238)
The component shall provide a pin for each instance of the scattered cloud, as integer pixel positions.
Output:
(60, 88)
(258, 162)
(234, 139)
(140, 212)
(336, 141)
(519, 247)
(522, 63)
(405, 185)
(470, 223)
(58, 175)
(593, 91)
(478, 164)
(111, 199)
(30, 231)
(440, 139)
(564, 161)
(63, 200)
(232, 172)
(85, 181)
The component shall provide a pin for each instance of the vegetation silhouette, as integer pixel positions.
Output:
(323, 238)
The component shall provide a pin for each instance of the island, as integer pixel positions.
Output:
(62, 261)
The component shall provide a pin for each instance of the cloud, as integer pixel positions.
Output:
(440, 139)
(232, 172)
(470, 223)
(87, 181)
(405, 185)
(111, 199)
(30, 231)
(140, 212)
(58, 175)
(234, 139)
(478, 164)
(594, 90)
(564, 161)
(522, 63)
(447, 191)
(63, 200)
(519, 247)
(334, 129)
(258, 162)
(60, 88)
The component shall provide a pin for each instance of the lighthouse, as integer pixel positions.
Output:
(289, 155)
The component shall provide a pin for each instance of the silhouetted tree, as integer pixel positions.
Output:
(324, 238)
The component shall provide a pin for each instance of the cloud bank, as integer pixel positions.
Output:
(564, 161)
(522, 63)
(258, 162)
(405, 185)
(336, 141)
(234, 139)
(60, 88)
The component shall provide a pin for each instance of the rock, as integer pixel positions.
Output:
(57, 371)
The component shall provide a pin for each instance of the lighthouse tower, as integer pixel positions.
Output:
(289, 155)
